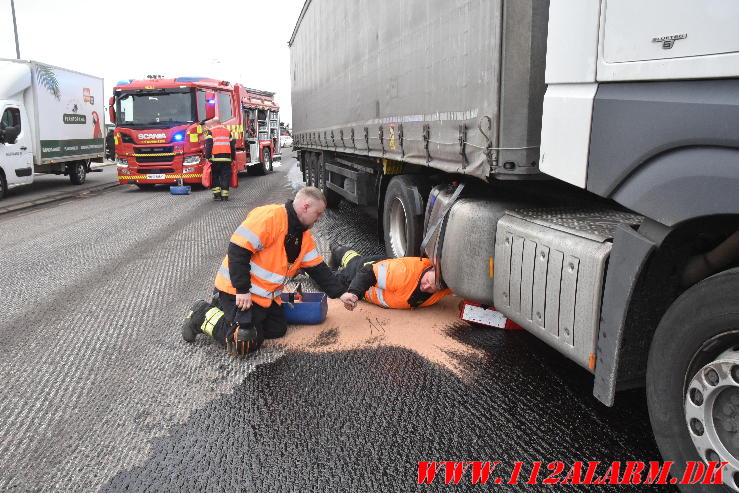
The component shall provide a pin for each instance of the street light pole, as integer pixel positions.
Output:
(15, 29)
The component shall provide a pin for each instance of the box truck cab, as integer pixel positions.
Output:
(49, 122)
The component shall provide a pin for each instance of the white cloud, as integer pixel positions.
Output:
(237, 40)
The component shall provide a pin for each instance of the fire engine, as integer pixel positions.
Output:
(161, 125)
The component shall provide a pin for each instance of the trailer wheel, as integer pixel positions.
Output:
(403, 215)
(77, 172)
(323, 176)
(693, 378)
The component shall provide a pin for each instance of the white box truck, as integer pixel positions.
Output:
(50, 122)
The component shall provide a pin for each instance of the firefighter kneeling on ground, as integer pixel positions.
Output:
(220, 150)
(270, 246)
(406, 282)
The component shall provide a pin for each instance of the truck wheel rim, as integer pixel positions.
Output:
(712, 413)
(397, 227)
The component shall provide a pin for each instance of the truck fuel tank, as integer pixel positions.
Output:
(463, 247)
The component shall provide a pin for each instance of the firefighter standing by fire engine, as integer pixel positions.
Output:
(220, 150)
(269, 247)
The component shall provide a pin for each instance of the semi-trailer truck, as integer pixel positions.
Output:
(573, 163)
(50, 122)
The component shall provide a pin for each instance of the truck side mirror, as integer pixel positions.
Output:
(111, 109)
(210, 105)
(10, 134)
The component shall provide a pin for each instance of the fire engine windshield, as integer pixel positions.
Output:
(155, 108)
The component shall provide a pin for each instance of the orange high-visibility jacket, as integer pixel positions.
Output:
(263, 233)
(397, 278)
(221, 143)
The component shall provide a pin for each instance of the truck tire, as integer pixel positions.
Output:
(693, 378)
(146, 186)
(266, 161)
(77, 172)
(3, 185)
(402, 217)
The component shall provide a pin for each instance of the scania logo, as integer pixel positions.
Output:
(152, 136)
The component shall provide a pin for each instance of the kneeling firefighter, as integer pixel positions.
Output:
(270, 246)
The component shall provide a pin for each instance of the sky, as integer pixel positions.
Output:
(241, 41)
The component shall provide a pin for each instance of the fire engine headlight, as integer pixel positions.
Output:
(191, 160)
(121, 162)
(188, 170)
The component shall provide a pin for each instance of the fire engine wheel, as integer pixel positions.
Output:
(266, 161)
(77, 172)
(146, 186)
(693, 378)
(403, 215)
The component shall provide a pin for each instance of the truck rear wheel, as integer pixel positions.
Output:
(3, 185)
(77, 172)
(266, 161)
(693, 378)
(403, 211)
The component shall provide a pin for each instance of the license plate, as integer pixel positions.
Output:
(155, 177)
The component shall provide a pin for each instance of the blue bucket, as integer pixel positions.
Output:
(312, 310)
(179, 189)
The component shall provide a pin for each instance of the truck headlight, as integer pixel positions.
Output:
(121, 162)
(191, 160)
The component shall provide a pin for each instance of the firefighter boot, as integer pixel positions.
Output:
(216, 191)
(196, 316)
(337, 252)
(224, 195)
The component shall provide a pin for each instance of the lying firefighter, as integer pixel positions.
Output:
(270, 246)
(407, 282)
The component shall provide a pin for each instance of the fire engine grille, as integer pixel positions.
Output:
(148, 170)
(162, 154)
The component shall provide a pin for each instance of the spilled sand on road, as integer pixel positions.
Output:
(425, 331)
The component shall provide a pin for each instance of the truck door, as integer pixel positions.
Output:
(16, 155)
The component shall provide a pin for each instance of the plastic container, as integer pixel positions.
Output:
(179, 189)
(312, 310)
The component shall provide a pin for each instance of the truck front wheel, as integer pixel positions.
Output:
(693, 378)
(403, 211)
(77, 172)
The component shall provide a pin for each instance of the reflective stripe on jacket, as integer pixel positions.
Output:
(397, 279)
(263, 233)
(221, 142)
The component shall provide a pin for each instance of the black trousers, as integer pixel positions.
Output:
(220, 174)
(270, 321)
(346, 274)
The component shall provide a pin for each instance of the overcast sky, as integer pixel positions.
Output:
(237, 40)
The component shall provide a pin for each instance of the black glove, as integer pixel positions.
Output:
(244, 337)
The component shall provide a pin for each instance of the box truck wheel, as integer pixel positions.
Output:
(3, 185)
(77, 172)
(402, 217)
(693, 378)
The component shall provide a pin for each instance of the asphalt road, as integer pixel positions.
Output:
(100, 393)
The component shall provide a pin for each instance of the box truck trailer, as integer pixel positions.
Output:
(50, 122)
(573, 163)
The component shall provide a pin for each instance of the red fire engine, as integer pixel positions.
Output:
(161, 124)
